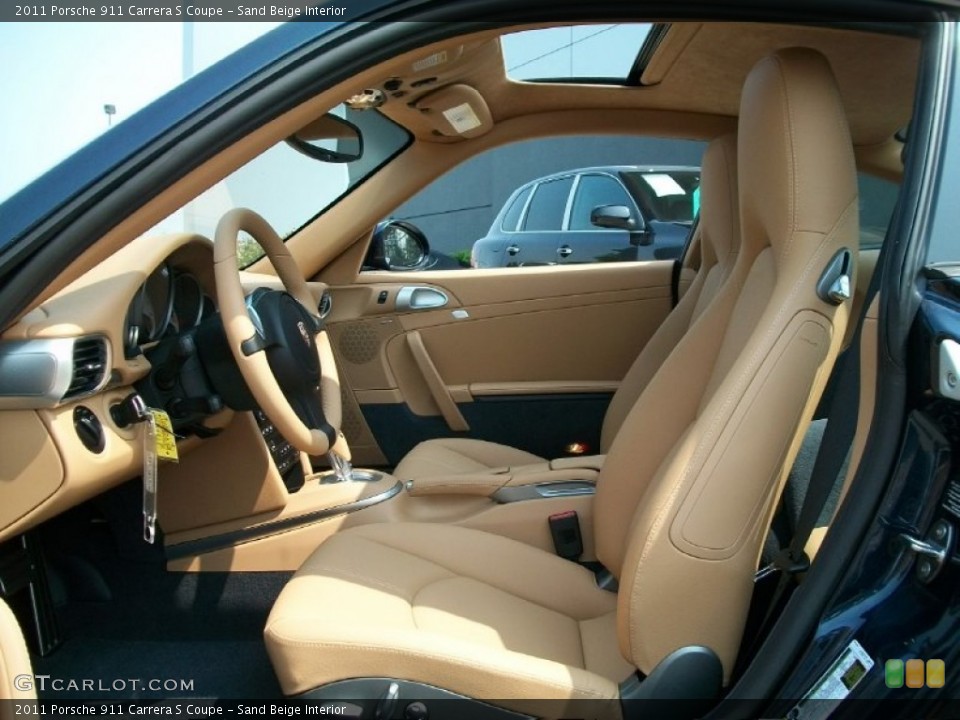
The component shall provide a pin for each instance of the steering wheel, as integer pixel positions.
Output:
(277, 338)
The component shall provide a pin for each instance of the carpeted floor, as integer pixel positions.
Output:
(124, 618)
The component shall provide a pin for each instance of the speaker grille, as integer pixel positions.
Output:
(352, 424)
(358, 344)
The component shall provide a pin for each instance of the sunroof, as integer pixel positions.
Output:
(576, 52)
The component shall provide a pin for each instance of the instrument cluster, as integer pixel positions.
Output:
(169, 302)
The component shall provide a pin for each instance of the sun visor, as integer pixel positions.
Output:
(456, 111)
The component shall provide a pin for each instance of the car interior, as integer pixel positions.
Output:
(528, 487)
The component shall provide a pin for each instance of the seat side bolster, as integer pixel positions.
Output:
(14, 661)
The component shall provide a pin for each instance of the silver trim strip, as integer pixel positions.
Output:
(37, 373)
(202, 546)
(571, 488)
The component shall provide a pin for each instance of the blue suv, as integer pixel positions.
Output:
(596, 214)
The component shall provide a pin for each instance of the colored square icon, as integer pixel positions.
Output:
(893, 673)
(936, 672)
(915, 673)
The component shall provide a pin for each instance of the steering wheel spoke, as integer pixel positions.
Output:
(310, 410)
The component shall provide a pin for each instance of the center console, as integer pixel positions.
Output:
(285, 456)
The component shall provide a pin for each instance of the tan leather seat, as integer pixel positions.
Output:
(16, 679)
(687, 489)
(720, 239)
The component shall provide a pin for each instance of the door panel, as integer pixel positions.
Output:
(526, 356)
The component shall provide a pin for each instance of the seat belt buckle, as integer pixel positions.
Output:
(565, 530)
(784, 562)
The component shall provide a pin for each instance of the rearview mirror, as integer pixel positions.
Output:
(330, 139)
(397, 245)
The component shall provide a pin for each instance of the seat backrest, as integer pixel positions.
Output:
(719, 239)
(688, 488)
(16, 680)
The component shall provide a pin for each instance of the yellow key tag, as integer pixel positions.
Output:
(165, 442)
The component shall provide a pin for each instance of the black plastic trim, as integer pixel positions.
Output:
(690, 678)
(253, 344)
(650, 46)
(373, 697)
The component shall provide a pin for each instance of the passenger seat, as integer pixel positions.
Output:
(720, 241)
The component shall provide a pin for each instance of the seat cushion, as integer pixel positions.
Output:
(447, 456)
(461, 609)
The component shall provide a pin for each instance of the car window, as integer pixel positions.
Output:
(289, 188)
(505, 207)
(877, 200)
(667, 195)
(594, 190)
(511, 218)
(548, 205)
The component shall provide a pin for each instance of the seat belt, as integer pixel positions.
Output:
(677, 268)
(837, 438)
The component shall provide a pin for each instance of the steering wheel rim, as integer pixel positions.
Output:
(240, 331)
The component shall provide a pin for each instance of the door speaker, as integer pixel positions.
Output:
(358, 344)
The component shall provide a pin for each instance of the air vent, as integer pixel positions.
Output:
(326, 305)
(89, 367)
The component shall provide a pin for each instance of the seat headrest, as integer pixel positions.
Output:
(796, 165)
(719, 207)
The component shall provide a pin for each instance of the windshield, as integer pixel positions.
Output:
(92, 76)
(287, 187)
(666, 195)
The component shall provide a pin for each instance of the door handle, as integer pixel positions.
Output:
(564, 251)
(513, 249)
(420, 298)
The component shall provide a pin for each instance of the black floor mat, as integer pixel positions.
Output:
(154, 670)
(133, 630)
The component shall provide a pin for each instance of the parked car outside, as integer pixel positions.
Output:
(595, 214)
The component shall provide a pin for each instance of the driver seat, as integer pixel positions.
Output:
(685, 495)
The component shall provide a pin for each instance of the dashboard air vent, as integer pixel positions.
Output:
(89, 366)
(326, 305)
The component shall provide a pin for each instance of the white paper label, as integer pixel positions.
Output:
(835, 685)
(462, 117)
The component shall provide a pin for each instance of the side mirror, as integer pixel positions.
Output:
(397, 245)
(329, 139)
(619, 217)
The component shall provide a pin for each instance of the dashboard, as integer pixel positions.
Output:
(71, 362)
(144, 322)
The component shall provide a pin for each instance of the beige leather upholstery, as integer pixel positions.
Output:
(14, 662)
(719, 232)
(720, 241)
(685, 493)
(424, 602)
(446, 456)
(690, 511)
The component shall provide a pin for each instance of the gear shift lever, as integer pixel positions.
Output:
(339, 457)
